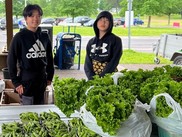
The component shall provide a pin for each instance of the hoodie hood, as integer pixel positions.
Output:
(109, 16)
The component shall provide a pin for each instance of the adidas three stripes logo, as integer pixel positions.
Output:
(37, 50)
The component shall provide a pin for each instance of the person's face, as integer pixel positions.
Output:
(103, 24)
(33, 21)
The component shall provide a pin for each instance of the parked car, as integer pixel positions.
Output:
(89, 23)
(58, 20)
(119, 21)
(21, 22)
(3, 23)
(68, 20)
(65, 21)
(138, 21)
(81, 19)
(122, 21)
(48, 21)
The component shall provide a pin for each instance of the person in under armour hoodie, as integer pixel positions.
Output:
(103, 51)
(30, 60)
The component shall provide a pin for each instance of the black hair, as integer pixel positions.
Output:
(28, 10)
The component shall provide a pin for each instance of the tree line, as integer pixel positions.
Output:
(154, 7)
(73, 8)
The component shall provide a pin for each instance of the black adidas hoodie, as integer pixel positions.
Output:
(32, 51)
(111, 44)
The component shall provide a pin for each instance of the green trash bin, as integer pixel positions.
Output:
(6, 73)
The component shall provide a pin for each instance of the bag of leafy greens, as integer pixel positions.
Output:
(173, 122)
(138, 123)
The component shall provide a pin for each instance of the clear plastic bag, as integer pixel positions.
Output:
(173, 122)
(115, 77)
(137, 125)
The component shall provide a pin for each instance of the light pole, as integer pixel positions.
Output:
(25, 3)
(129, 22)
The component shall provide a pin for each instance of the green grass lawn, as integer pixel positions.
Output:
(159, 25)
(121, 31)
(131, 57)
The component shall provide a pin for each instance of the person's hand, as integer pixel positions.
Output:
(19, 89)
(48, 82)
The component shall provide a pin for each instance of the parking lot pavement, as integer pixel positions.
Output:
(79, 74)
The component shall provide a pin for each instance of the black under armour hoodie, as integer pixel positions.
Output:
(107, 49)
(32, 51)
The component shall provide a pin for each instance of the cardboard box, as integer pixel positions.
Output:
(12, 98)
(8, 84)
(9, 97)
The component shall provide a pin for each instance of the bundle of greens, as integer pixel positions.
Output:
(146, 84)
(110, 105)
(78, 129)
(101, 81)
(133, 80)
(12, 130)
(69, 94)
(161, 84)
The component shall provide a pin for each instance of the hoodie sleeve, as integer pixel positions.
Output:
(13, 56)
(88, 67)
(50, 64)
(117, 53)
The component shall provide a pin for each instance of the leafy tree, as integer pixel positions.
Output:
(75, 8)
(116, 5)
(18, 6)
(144, 7)
(179, 7)
(123, 5)
(150, 7)
(56, 8)
(45, 5)
(108, 5)
(104, 5)
(2, 7)
(171, 7)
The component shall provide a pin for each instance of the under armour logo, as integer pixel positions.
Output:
(103, 48)
(93, 47)
(104, 45)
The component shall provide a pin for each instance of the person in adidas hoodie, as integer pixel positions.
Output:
(30, 59)
(103, 51)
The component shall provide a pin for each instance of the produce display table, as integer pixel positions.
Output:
(11, 113)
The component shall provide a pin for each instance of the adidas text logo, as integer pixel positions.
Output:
(37, 51)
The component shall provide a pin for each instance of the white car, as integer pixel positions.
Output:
(68, 22)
